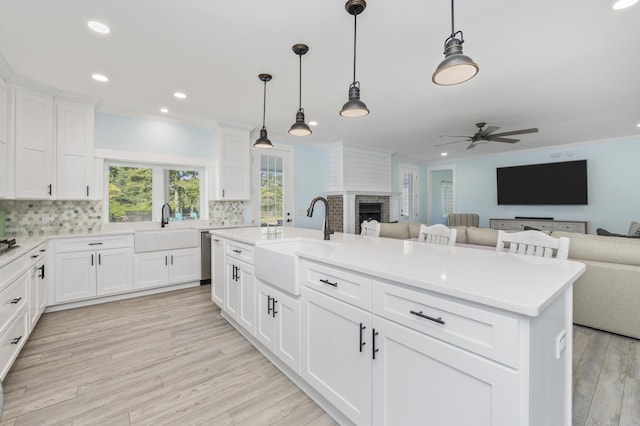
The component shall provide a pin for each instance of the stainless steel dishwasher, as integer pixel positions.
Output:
(205, 257)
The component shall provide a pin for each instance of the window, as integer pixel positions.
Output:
(446, 201)
(409, 187)
(130, 194)
(137, 192)
(271, 190)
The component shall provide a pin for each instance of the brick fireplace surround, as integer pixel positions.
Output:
(337, 209)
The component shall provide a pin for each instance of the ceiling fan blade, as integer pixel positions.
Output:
(449, 143)
(471, 145)
(517, 132)
(454, 136)
(507, 140)
(489, 130)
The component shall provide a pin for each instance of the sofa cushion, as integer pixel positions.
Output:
(461, 234)
(634, 229)
(603, 249)
(395, 230)
(414, 229)
(482, 236)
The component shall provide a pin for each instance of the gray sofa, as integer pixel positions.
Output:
(606, 296)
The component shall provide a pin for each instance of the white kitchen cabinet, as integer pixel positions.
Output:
(4, 141)
(337, 353)
(233, 164)
(278, 324)
(37, 284)
(160, 268)
(417, 377)
(12, 341)
(34, 145)
(240, 292)
(86, 274)
(217, 271)
(74, 150)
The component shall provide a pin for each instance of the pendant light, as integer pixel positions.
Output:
(456, 68)
(354, 107)
(263, 141)
(300, 128)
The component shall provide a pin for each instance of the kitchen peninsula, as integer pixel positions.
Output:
(384, 331)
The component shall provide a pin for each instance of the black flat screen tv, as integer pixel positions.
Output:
(563, 183)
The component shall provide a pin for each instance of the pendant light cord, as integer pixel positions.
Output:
(452, 22)
(355, 25)
(264, 104)
(300, 85)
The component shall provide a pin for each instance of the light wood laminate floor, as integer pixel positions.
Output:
(170, 359)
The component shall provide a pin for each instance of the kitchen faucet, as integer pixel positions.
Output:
(327, 231)
(166, 212)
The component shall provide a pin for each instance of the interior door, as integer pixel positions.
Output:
(274, 201)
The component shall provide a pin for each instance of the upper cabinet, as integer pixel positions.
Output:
(4, 143)
(33, 145)
(232, 164)
(74, 150)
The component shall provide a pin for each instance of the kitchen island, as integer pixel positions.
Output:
(384, 331)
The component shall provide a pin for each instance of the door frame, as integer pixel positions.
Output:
(289, 183)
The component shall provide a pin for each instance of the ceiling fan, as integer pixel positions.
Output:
(487, 135)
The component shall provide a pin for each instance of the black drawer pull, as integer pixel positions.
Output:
(95, 244)
(421, 315)
(374, 333)
(269, 308)
(236, 251)
(16, 301)
(329, 282)
(362, 328)
(41, 270)
(16, 340)
(273, 310)
(35, 256)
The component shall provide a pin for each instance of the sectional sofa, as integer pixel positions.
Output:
(606, 296)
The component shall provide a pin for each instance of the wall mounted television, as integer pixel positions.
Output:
(563, 183)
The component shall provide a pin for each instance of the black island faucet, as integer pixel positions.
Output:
(327, 231)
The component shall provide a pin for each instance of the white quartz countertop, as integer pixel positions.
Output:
(515, 283)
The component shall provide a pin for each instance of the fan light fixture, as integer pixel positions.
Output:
(300, 128)
(263, 141)
(354, 107)
(456, 68)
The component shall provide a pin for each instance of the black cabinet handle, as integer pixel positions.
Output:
(99, 259)
(50, 189)
(236, 251)
(35, 256)
(166, 260)
(16, 340)
(95, 244)
(329, 282)
(374, 333)
(91, 260)
(16, 301)
(43, 250)
(362, 343)
(421, 315)
(273, 311)
(172, 259)
(87, 190)
(223, 193)
(269, 307)
(41, 271)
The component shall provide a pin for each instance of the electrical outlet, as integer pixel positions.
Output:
(561, 343)
(45, 218)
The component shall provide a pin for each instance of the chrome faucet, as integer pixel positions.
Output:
(327, 231)
(166, 212)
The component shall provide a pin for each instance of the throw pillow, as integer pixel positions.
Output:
(634, 229)
(606, 233)
(530, 228)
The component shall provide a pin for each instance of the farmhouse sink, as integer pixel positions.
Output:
(165, 239)
(277, 262)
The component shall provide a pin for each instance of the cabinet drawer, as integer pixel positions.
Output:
(489, 334)
(12, 299)
(90, 243)
(12, 341)
(571, 227)
(240, 251)
(36, 254)
(339, 283)
(499, 224)
(11, 271)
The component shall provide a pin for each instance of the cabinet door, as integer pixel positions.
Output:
(150, 269)
(418, 378)
(33, 145)
(37, 293)
(232, 288)
(114, 271)
(74, 151)
(75, 276)
(217, 271)
(184, 265)
(234, 161)
(336, 353)
(4, 144)
(265, 319)
(247, 297)
(287, 322)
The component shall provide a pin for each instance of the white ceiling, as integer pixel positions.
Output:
(568, 67)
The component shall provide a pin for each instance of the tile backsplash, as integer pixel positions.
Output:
(27, 218)
(226, 213)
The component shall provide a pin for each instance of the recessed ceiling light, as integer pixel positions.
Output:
(313, 123)
(164, 110)
(622, 4)
(101, 78)
(98, 27)
(180, 95)
(638, 124)
(443, 154)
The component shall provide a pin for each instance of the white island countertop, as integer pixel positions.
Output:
(515, 283)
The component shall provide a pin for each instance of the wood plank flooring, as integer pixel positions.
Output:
(170, 359)
(166, 359)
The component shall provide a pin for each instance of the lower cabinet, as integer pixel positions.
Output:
(240, 292)
(37, 292)
(417, 377)
(337, 352)
(12, 340)
(278, 324)
(217, 271)
(159, 268)
(85, 274)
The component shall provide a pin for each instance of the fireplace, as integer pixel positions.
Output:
(348, 210)
(369, 211)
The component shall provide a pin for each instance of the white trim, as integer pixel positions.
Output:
(253, 207)
(152, 158)
(435, 168)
